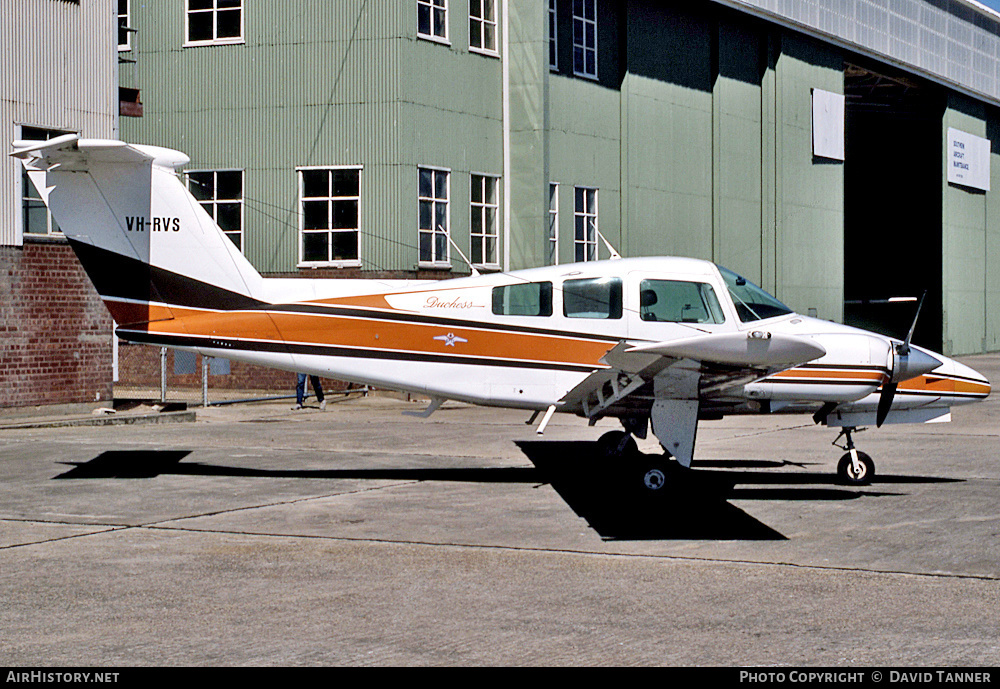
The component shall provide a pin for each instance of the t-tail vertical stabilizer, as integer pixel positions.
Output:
(149, 247)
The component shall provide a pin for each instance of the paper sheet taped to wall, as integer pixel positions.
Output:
(828, 124)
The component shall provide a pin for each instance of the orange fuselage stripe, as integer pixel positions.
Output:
(385, 334)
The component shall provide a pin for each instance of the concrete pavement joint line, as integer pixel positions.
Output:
(62, 538)
(564, 551)
(156, 524)
(271, 448)
(109, 528)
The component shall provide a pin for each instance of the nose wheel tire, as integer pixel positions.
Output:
(856, 473)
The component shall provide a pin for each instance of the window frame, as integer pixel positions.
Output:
(581, 20)
(432, 5)
(553, 36)
(436, 262)
(330, 262)
(214, 10)
(25, 186)
(215, 201)
(553, 239)
(485, 21)
(125, 24)
(586, 242)
(482, 207)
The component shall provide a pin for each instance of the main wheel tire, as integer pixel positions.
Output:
(651, 476)
(849, 476)
(617, 445)
(654, 479)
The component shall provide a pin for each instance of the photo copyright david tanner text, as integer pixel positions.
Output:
(887, 676)
(43, 676)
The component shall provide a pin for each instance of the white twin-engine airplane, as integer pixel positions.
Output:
(652, 341)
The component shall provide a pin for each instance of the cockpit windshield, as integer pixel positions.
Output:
(751, 302)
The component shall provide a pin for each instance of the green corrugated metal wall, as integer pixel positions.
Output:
(697, 133)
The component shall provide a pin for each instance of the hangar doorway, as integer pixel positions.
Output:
(892, 202)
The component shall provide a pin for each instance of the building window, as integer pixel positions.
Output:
(432, 194)
(483, 26)
(124, 30)
(585, 217)
(220, 193)
(214, 22)
(585, 38)
(553, 245)
(553, 36)
(432, 19)
(485, 212)
(36, 220)
(330, 218)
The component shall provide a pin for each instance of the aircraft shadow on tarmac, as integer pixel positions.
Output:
(694, 504)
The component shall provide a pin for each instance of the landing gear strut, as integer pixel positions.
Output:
(855, 468)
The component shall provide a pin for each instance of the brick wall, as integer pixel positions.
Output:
(139, 366)
(56, 344)
(55, 334)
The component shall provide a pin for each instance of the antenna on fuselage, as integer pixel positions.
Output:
(611, 249)
(475, 273)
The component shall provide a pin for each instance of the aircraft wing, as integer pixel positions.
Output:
(668, 380)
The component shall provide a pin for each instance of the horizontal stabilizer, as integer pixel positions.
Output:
(755, 349)
(69, 151)
(36, 149)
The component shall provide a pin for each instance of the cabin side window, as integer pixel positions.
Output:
(593, 298)
(523, 299)
(677, 301)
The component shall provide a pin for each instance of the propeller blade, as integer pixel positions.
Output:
(909, 335)
(885, 403)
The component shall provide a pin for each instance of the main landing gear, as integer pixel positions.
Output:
(645, 473)
(855, 467)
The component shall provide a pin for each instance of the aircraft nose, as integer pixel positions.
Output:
(969, 380)
(980, 378)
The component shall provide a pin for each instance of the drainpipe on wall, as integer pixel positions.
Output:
(505, 99)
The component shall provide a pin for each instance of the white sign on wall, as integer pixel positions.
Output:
(968, 159)
(828, 124)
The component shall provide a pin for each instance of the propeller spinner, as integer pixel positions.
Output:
(904, 363)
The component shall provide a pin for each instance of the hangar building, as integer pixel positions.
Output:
(58, 76)
(838, 153)
(807, 144)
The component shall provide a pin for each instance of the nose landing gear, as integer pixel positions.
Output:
(855, 468)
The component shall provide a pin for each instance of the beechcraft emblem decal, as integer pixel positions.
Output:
(450, 339)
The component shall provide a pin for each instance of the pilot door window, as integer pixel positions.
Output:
(593, 298)
(676, 301)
